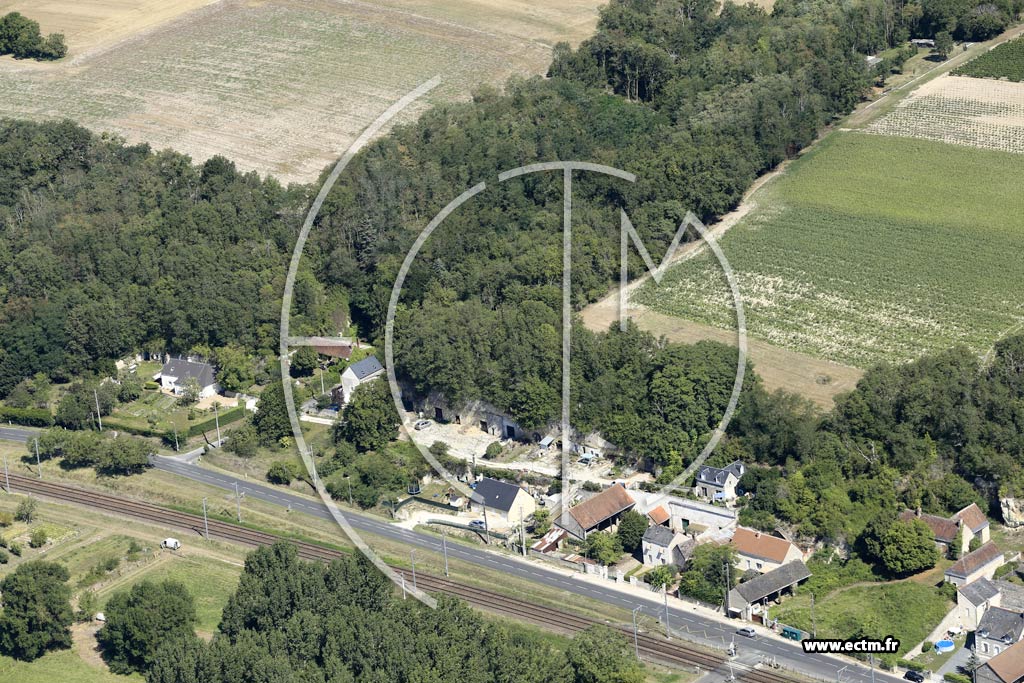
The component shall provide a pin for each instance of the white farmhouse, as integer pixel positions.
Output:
(176, 373)
(357, 374)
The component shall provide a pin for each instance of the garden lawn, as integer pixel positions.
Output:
(64, 665)
(870, 248)
(905, 610)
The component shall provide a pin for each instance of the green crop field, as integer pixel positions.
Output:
(1003, 61)
(870, 248)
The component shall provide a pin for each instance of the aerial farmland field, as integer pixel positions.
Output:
(962, 111)
(278, 86)
(870, 248)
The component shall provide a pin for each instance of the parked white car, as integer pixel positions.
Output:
(170, 543)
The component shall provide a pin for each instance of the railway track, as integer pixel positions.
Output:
(658, 648)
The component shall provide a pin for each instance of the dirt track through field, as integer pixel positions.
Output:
(816, 379)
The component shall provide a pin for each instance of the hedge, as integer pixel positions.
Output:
(956, 678)
(114, 423)
(910, 664)
(226, 418)
(29, 417)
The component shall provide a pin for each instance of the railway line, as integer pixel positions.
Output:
(653, 647)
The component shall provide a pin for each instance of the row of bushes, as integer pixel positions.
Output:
(29, 417)
(226, 418)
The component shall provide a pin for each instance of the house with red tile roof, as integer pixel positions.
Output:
(1006, 667)
(982, 563)
(955, 532)
(762, 552)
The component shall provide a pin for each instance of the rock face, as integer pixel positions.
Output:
(1013, 511)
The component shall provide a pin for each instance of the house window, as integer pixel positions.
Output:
(984, 648)
(759, 565)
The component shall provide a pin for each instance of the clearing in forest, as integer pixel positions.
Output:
(870, 248)
(278, 86)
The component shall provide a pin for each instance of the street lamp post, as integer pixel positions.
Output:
(238, 503)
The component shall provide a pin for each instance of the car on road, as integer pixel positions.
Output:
(421, 424)
(477, 524)
(746, 632)
(914, 676)
(170, 543)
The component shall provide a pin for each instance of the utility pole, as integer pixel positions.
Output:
(444, 547)
(487, 528)
(216, 419)
(99, 419)
(238, 503)
(668, 628)
(636, 638)
(839, 673)
(522, 529)
(872, 658)
(7, 475)
(814, 630)
(348, 478)
(39, 465)
(206, 524)
(725, 602)
(176, 448)
(412, 555)
(403, 585)
(322, 390)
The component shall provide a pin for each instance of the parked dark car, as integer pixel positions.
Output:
(914, 676)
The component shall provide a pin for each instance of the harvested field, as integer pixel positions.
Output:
(962, 111)
(283, 86)
(95, 24)
(870, 248)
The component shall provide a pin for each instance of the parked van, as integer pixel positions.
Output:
(170, 544)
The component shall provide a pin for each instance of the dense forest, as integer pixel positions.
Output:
(300, 622)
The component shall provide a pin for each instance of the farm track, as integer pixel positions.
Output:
(652, 647)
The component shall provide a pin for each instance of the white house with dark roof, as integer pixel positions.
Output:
(662, 546)
(357, 374)
(505, 504)
(974, 599)
(176, 373)
(998, 630)
(715, 483)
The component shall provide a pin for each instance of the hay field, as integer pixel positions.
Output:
(870, 248)
(94, 24)
(962, 111)
(283, 86)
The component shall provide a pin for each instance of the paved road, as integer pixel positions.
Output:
(687, 624)
(19, 434)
